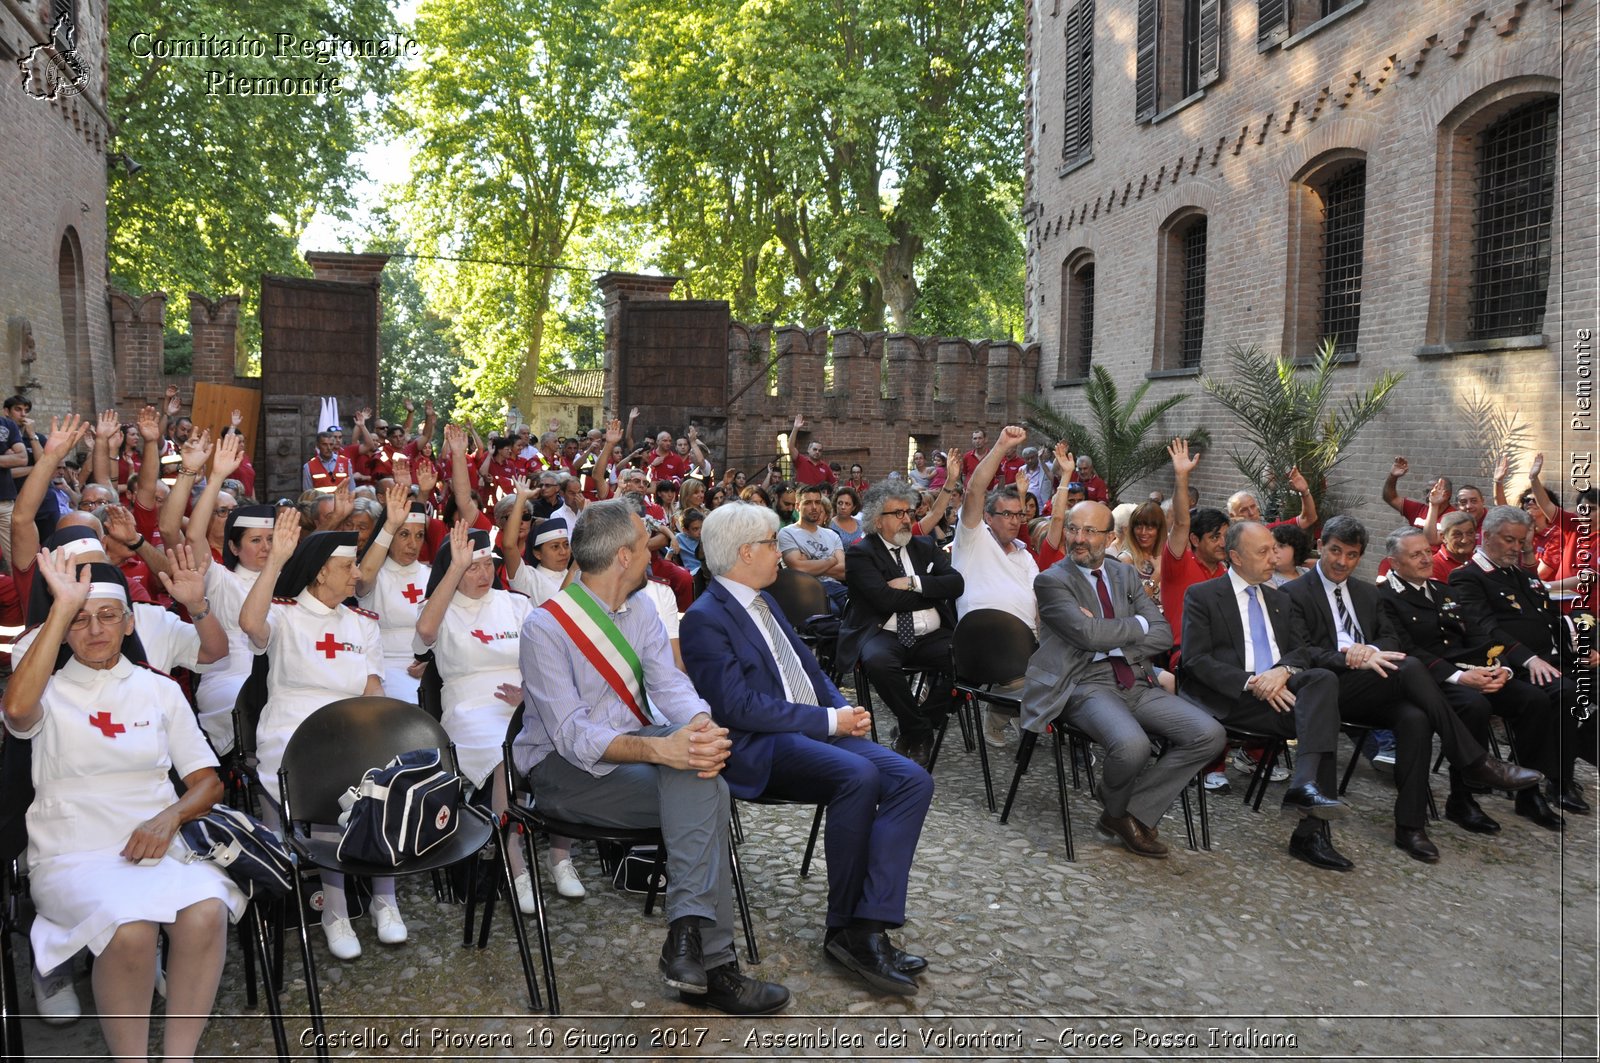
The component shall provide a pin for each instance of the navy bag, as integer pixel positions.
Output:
(243, 846)
(400, 811)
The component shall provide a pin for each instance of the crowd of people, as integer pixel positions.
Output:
(616, 586)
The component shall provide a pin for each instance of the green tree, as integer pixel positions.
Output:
(1283, 411)
(419, 360)
(516, 126)
(1116, 441)
(830, 160)
(226, 183)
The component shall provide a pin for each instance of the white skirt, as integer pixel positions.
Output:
(478, 730)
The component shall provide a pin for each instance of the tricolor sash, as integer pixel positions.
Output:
(596, 635)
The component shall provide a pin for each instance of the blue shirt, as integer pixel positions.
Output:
(572, 711)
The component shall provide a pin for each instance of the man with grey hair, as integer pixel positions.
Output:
(796, 738)
(901, 613)
(1244, 505)
(1509, 606)
(596, 750)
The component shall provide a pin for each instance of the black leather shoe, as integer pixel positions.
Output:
(1531, 804)
(903, 961)
(867, 954)
(1313, 802)
(1569, 797)
(1498, 774)
(1464, 812)
(1414, 840)
(915, 749)
(681, 965)
(1316, 848)
(735, 994)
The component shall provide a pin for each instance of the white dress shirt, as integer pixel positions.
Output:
(1242, 600)
(923, 620)
(746, 595)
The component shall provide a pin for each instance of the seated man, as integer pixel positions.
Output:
(1381, 687)
(1412, 510)
(1432, 628)
(996, 568)
(795, 737)
(1244, 505)
(596, 750)
(901, 614)
(1508, 606)
(1458, 538)
(1098, 635)
(1246, 660)
(809, 546)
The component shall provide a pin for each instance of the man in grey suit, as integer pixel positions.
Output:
(1098, 630)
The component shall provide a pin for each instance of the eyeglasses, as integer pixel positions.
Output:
(1009, 514)
(897, 514)
(107, 617)
(1074, 529)
(223, 511)
(763, 542)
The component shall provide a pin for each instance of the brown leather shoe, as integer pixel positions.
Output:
(1496, 774)
(916, 749)
(1135, 835)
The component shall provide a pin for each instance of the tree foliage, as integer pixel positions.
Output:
(516, 123)
(1117, 441)
(1285, 412)
(225, 184)
(832, 161)
(419, 359)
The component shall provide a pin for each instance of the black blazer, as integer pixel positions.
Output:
(868, 568)
(1511, 609)
(1212, 662)
(1309, 594)
(1435, 631)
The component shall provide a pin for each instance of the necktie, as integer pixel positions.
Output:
(1119, 665)
(1347, 622)
(905, 625)
(789, 665)
(1260, 641)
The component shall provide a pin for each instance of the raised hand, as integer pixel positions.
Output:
(396, 505)
(120, 525)
(1437, 494)
(1011, 437)
(343, 504)
(614, 432)
(65, 434)
(285, 537)
(184, 581)
(633, 414)
(400, 465)
(524, 489)
(196, 449)
(410, 406)
(1400, 468)
(1502, 468)
(149, 423)
(460, 547)
(69, 591)
(229, 456)
(236, 418)
(427, 477)
(107, 425)
(1537, 467)
(455, 440)
(1065, 462)
(1297, 481)
(174, 403)
(1183, 462)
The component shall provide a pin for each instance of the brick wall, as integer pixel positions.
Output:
(1405, 86)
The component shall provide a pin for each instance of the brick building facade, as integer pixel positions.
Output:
(53, 300)
(1202, 174)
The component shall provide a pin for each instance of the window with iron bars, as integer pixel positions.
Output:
(1344, 209)
(1192, 327)
(1512, 222)
(1085, 284)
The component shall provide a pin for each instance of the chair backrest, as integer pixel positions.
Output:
(800, 595)
(247, 706)
(335, 746)
(991, 646)
(430, 690)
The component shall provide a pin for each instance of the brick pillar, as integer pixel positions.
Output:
(346, 268)
(617, 289)
(214, 325)
(137, 328)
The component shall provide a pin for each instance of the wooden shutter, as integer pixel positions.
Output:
(1078, 118)
(1146, 76)
(1210, 44)
(1272, 21)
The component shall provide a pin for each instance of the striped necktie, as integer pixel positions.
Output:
(793, 671)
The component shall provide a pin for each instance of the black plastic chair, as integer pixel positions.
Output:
(816, 824)
(804, 602)
(523, 816)
(1358, 733)
(329, 752)
(990, 647)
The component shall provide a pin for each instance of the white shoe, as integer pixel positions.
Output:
(391, 928)
(342, 940)
(1217, 782)
(567, 882)
(1246, 763)
(996, 727)
(523, 884)
(55, 997)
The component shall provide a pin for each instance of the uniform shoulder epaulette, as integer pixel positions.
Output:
(368, 613)
(283, 601)
(147, 666)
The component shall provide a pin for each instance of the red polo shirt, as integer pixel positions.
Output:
(807, 471)
(1178, 574)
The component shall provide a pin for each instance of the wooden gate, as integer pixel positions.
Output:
(319, 339)
(672, 363)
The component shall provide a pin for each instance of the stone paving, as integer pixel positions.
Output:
(1240, 951)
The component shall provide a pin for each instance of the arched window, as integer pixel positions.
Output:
(74, 320)
(1326, 255)
(1181, 291)
(1077, 318)
(1515, 203)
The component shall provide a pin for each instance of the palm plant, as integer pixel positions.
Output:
(1117, 441)
(1283, 410)
(1494, 434)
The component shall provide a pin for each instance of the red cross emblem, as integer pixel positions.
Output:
(102, 720)
(329, 646)
(412, 593)
(483, 638)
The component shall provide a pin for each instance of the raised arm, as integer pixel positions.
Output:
(191, 463)
(1437, 500)
(1183, 464)
(1502, 470)
(438, 603)
(1391, 485)
(107, 441)
(523, 492)
(396, 505)
(602, 482)
(946, 494)
(1541, 496)
(258, 603)
(150, 434)
(1308, 505)
(27, 682)
(229, 455)
(455, 449)
(187, 586)
(65, 435)
(1011, 437)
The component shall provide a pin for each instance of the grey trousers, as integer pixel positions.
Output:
(693, 816)
(1123, 721)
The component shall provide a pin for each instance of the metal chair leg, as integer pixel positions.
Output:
(532, 853)
(983, 756)
(1205, 816)
(309, 965)
(743, 901)
(521, 932)
(1061, 793)
(811, 842)
(1350, 768)
(1024, 754)
(1188, 819)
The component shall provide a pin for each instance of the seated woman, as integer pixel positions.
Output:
(321, 651)
(1146, 538)
(473, 630)
(846, 504)
(392, 583)
(105, 735)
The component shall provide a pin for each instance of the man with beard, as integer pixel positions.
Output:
(595, 750)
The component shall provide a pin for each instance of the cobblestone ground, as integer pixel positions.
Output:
(1234, 952)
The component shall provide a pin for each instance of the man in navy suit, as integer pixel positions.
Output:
(795, 737)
